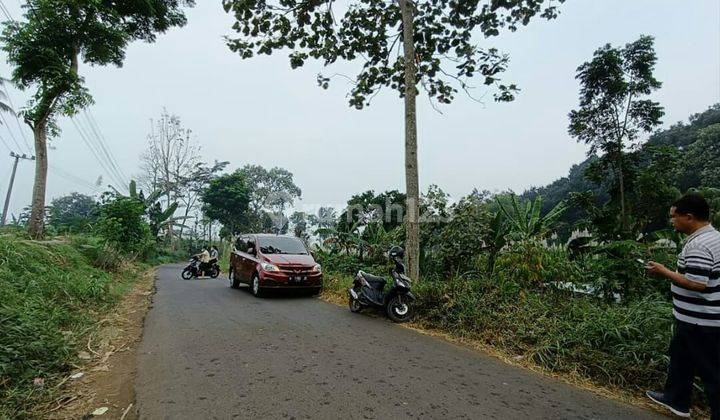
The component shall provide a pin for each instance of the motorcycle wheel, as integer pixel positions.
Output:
(214, 273)
(399, 311)
(187, 274)
(354, 304)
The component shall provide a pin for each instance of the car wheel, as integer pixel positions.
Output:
(257, 291)
(234, 282)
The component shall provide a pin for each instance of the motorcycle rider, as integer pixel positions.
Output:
(213, 254)
(204, 258)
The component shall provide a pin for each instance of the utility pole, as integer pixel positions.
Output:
(12, 181)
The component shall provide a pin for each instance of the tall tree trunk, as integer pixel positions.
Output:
(412, 189)
(623, 211)
(37, 215)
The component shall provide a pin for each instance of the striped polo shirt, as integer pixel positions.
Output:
(699, 261)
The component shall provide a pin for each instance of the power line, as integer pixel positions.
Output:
(17, 119)
(12, 136)
(104, 159)
(73, 178)
(5, 143)
(5, 11)
(104, 148)
(101, 136)
(88, 143)
(7, 92)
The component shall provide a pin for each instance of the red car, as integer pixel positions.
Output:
(270, 262)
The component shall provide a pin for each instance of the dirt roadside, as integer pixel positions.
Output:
(107, 378)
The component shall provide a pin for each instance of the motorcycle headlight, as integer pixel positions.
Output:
(317, 268)
(269, 267)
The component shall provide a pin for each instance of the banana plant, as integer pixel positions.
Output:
(158, 218)
(347, 240)
(495, 238)
(526, 221)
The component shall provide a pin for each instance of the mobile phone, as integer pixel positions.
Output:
(641, 261)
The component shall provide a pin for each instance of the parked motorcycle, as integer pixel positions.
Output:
(368, 291)
(193, 269)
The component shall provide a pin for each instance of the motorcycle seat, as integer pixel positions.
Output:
(375, 281)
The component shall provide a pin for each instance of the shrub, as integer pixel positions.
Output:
(534, 265)
(121, 223)
(99, 252)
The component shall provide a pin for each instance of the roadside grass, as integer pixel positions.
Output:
(52, 295)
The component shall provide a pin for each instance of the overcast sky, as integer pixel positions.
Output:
(262, 112)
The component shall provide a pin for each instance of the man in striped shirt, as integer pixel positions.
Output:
(695, 346)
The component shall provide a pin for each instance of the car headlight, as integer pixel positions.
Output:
(317, 268)
(269, 267)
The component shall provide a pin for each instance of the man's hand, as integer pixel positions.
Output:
(657, 269)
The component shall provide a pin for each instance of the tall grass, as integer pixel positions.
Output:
(50, 297)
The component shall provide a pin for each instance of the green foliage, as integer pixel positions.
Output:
(299, 222)
(612, 112)
(680, 137)
(98, 252)
(227, 200)
(122, 224)
(654, 189)
(704, 156)
(73, 213)
(49, 297)
(45, 47)
(447, 53)
(712, 195)
(526, 222)
(362, 209)
(450, 245)
(533, 266)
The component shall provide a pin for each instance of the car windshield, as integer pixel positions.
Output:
(281, 245)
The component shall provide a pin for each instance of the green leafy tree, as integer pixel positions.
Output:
(227, 201)
(270, 192)
(299, 222)
(704, 156)
(614, 109)
(439, 53)
(654, 188)
(74, 212)
(46, 48)
(387, 207)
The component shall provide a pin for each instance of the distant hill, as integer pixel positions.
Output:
(679, 135)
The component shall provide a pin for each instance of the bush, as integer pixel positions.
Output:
(533, 265)
(121, 223)
(99, 252)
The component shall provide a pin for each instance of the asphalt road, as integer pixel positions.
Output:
(209, 351)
